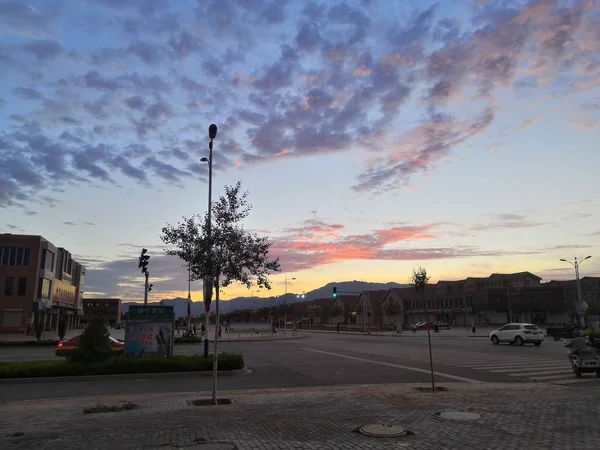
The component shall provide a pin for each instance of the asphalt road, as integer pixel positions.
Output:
(321, 359)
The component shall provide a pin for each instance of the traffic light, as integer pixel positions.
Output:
(334, 292)
(150, 287)
(144, 258)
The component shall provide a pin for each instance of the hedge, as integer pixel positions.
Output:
(54, 343)
(44, 343)
(119, 365)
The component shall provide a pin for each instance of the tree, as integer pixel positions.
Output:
(222, 251)
(419, 280)
(94, 344)
(62, 329)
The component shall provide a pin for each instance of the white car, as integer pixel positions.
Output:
(519, 334)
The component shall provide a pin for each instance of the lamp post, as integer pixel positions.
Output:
(285, 304)
(208, 282)
(580, 303)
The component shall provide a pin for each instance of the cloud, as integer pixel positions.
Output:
(318, 243)
(71, 224)
(420, 148)
(507, 221)
(44, 49)
(285, 81)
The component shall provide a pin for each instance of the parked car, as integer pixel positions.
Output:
(64, 348)
(518, 333)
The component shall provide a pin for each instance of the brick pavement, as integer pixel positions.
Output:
(514, 416)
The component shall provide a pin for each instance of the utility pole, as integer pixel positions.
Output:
(143, 264)
(582, 306)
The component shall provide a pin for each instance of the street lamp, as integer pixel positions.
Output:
(208, 282)
(576, 265)
(285, 303)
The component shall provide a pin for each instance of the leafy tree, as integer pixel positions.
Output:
(62, 329)
(94, 344)
(419, 280)
(221, 251)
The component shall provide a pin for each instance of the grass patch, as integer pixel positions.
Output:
(44, 343)
(119, 365)
(99, 409)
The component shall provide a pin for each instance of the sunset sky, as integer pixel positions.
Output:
(372, 136)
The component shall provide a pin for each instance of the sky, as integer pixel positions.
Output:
(373, 136)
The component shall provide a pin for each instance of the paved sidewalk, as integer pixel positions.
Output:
(120, 334)
(453, 332)
(512, 417)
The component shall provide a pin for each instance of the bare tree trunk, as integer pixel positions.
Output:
(216, 351)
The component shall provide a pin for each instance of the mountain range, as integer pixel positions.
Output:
(344, 287)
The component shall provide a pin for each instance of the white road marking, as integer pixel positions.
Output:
(398, 366)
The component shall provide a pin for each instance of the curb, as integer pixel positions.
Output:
(123, 376)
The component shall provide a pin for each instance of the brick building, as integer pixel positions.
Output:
(37, 275)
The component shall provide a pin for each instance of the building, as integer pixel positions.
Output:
(107, 308)
(35, 275)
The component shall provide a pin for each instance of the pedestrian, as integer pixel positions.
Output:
(338, 327)
(219, 330)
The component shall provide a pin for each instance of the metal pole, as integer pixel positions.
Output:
(216, 353)
(285, 307)
(429, 341)
(209, 232)
(577, 278)
(146, 289)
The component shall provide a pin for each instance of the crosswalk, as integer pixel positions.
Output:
(516, 367)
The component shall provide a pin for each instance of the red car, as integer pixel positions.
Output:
(64, 348)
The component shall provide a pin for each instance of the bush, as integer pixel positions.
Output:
(119, 365)
(591, 332)
(45, 343)
(94, 344)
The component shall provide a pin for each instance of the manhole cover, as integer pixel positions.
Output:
(383, 430)
(458, 415)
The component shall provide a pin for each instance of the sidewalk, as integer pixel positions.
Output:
(512, 416)
(120, 334)
(453, 332)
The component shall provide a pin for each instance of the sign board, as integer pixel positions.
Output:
(594, 322)
(150, 331)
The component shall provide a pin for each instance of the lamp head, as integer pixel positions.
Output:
(212, 131)
(204, 159)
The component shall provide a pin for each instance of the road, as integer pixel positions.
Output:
(334, 359)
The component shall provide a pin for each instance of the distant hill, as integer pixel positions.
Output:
(343, 287)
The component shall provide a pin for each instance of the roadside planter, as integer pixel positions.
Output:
(149, 331)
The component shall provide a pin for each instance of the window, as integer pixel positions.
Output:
(20, 256)
(44, 288)
(22, 288)
(26, 252)
(47, 260)
(8, 288)
(5, 252)
(13, 256)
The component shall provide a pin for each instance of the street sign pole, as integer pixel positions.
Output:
(146, 289)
